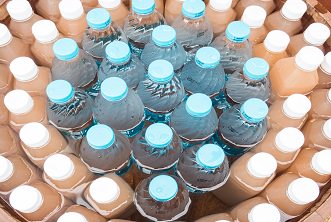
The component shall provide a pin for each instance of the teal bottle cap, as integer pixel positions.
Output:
(256, 68)
(114, 89)
(198, 105)
(207, 57)
(164, 36)
(210, 156)
(160, 71)
(100, 137)
(60, 91)
(254, 110)
(98, 18)
(237, 32)
(65, 49)
(158, 135)
(143, 7)
(163, 188)
(118, 52)
(193, 9)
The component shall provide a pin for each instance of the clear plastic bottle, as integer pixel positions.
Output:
(324, 73)
(267, 5)
(163, 45)
(140, 23)
(6, 78)
(194, 120)
(9, 142)
(173, 8)
(88, 5)
(69, 109)
(49, 9)
(162, 198)
(320, 104)
(78, 213)
(75, 66)
(242, 127)
(318, 134)
(234, 47)
(116, 9)
(192, 27)
(4, 117)
(161, 92)
(100, 32)
(123, 104)
(119, 62)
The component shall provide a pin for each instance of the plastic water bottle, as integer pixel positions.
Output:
(140, 23)
(163, 45)
(193, 28)
(195, 120)
(69, 109)
(119, 62)
(234, 46)
(242, 127)
(75, 66)
(100, 33)
(119, 107)
(252, 82)
(203, 168)
(161, 92)
(156, 196)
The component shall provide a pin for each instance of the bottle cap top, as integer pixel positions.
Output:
(114, 89)
(210, 156)
(6, 169)
(98, 18)
(262, 165)
(5, 35)
(164, 36)
(163, 188)
(254, 110)
(289, 140)
(109, 4)
(237, 31)
(143, 7)
(23, 69)
(326, 64)
(207, 57)
(221, 6)
(65, 49)
(59, 167)
(160, 71)
(18, 102)
(321, 162)
(294, 9)
(45, 31)
(303, 191)
(276, 41)
(104, 190)
(296, 106)
(71, 9)
(316, 34)
(26, 199)
(198, 105)
(193, 9)
(60, 91)
(254, 16)
(327, 129)
(100, 137)
(309, 58)
(19, 10)
(158, 135)
(256, 68)
(118, 52)
(34, 135)
(260, 212)
(72, 217)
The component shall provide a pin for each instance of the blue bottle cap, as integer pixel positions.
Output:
(158, 135)
(164, 36)
(193, 9)
(254, 110)
(114, 89)
(100, 137)
(256, 68)
(163, 188)
(207, 57)
(118, 52)
(160, 71)
(143, 7)
(60, 91)
(210, 156)
(98, 18)
(65, 49)
(237, 31)
(198, 105)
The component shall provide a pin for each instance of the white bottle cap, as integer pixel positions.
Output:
(296, 106)
(303, 191)
(289, 140)
(294, 9)
(71, 9)
(220, 5)
(104, 190)
(276, 41)
(316, 34)
(254, 16)
(109, 4)
(262, 165)
(321, 162)
(59, 167)
(309, 58)
(326, 64)
(26, 199)
(45, 31)
(23, 69)
(34, 135)
(6, 169)
(5, 35)
(72, 217)
(260, 212)
(18, 102)
(327, 129)
(19, 10)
